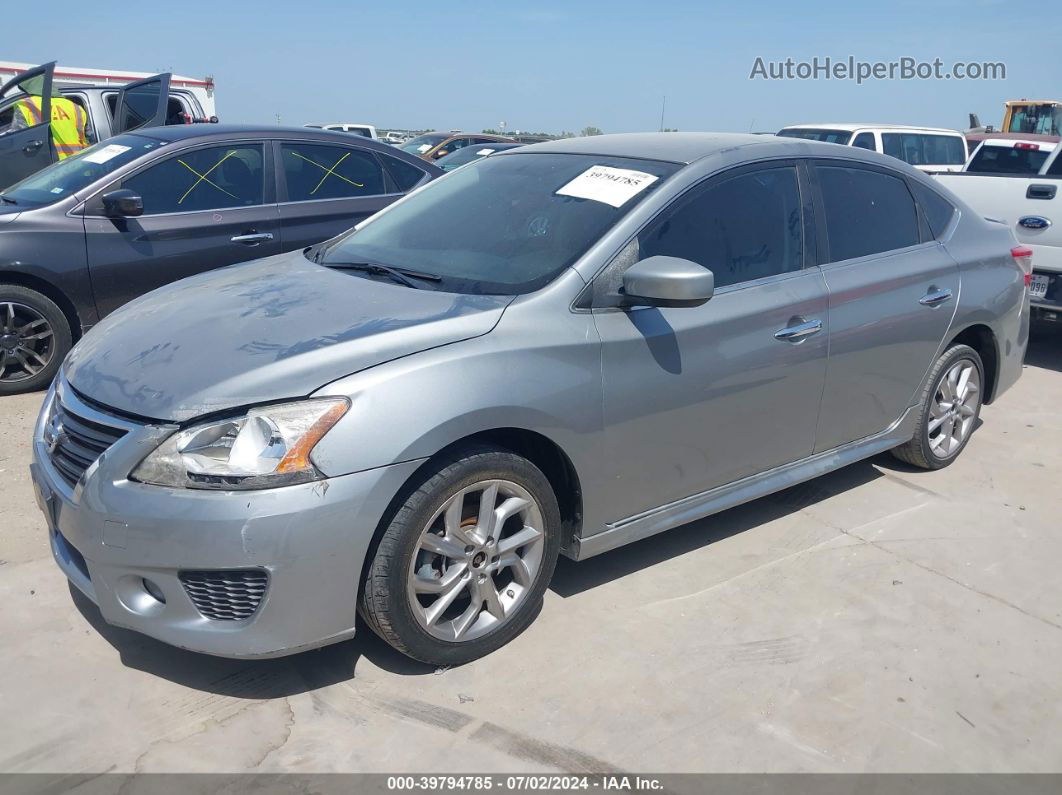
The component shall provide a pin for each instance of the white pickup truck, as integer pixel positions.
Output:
(1017, 181)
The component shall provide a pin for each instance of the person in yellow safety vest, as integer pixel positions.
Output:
(68, 124)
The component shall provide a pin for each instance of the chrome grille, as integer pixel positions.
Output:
(74, 442)
(225, 595)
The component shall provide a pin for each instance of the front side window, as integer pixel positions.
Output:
(925, 149)
(867, 212)
(865, 140)
(68, 176)
(315, 172)
(507, 226)
(741, 228)
(216, 178)
(140, 105)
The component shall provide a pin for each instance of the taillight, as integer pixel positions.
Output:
(1023, 145)
(1023, 256)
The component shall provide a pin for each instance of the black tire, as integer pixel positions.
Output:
(384, 602)
(918, 451)
(14, 377)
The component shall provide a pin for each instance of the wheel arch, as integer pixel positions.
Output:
(537, 448)
(50, 291)
(982, 339)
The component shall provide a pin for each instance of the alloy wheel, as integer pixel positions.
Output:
(476, 560)
(954, 408)
(27, 342)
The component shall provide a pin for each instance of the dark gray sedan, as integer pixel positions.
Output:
(86, 235)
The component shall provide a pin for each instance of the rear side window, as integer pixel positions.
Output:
(865, 141)
(937, 209)
(742, 228)
(867, 212)
(318, 172)
(924, 149)
(405, 175)
(991, 159)
(140, 106)
(204, 179)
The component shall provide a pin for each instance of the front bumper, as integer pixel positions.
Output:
(110, 534)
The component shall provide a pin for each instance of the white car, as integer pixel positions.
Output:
(1016, 182)
(364, 130)
(925, 148)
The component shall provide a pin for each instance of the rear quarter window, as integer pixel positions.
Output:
(938, 210)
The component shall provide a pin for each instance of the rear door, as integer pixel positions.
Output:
(893, 291)
(326, 188)
(25, 151)
(204, 207)
(144, 103)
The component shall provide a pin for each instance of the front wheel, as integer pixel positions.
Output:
(951, 404)
(34, 338)
(462, 567)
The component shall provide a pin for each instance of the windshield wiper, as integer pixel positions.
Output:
(401, 275)
(6, 199)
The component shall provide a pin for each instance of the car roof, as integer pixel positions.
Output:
(849, 127)
(673, 147)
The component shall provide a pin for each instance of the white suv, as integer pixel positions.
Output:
(925, 148)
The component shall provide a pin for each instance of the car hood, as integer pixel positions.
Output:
(268, 330)
(9, 212)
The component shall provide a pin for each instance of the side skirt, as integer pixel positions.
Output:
(698, 506)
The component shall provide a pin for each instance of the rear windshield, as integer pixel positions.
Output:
(812, 134)
(1009, 159)
(68, 176)
(925, 149)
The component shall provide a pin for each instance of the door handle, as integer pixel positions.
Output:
(32, 147)
(252, 238)
(798, 332)
(1041, 192)
(935, 297)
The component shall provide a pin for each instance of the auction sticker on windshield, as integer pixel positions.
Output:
(108, 152)
(608, 185)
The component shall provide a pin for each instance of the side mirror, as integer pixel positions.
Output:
(441, 153)
(668, 281)
(122, 203)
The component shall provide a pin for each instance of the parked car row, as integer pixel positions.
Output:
(86, 235)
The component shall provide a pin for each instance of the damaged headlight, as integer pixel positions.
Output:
(267, 447)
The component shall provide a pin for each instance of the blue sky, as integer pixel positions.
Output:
(549, 66)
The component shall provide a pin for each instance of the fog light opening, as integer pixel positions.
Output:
(153, 590)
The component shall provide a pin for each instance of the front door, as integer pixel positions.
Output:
(696, 397)
(25, 150)
(893, 292)
(144, 103)
(326, 189)
(204, 208)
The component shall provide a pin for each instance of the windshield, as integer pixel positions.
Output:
(505, 225)
(68, 176)
(1011, 159)
(464, 155)
(422, 143)
(829, 136)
